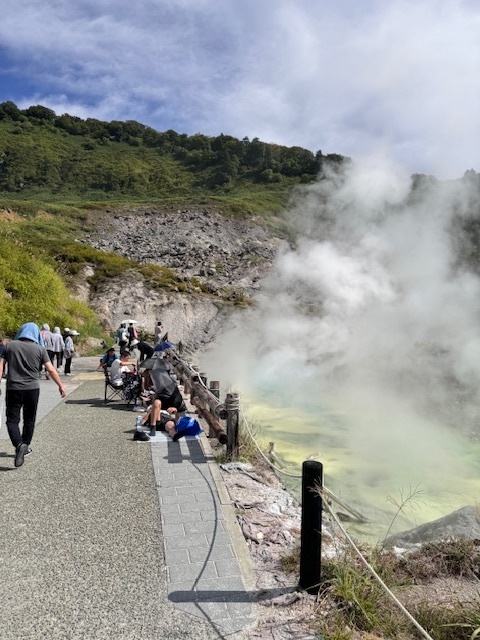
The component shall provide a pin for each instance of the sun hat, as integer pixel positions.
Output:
(67, 330)
(74, 332)
(134, 342)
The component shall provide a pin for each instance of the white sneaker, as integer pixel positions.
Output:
(144, 428)
(68, 374)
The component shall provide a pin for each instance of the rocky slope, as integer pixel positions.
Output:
(221, 251)
(228, 256)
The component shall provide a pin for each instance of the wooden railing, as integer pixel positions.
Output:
(222, 418)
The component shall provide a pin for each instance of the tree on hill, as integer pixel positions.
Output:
(42, 152)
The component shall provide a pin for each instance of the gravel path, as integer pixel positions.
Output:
(82, 548)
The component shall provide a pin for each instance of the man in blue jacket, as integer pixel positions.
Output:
(108, 358)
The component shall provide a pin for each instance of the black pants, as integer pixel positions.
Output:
(27, 399)
(68, 365)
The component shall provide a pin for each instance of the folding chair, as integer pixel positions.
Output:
(112, 392)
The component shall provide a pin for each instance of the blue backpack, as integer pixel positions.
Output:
(189, 426)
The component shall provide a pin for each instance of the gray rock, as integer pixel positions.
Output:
(461, 524)
(191, 242)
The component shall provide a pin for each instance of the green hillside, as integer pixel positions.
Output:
(63, 158)
(59, 173)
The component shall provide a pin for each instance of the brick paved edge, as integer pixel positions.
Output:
(240, 545)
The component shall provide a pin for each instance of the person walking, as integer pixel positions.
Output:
(47, 340)
(25, 356)
(158, 333)
(2, 349)
(121, 337)
(69, 350)
(58, 346)
(132, 334)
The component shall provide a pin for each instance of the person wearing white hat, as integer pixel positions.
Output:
(69, 351)
(146, 350)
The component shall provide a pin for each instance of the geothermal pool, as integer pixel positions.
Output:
(373, 462)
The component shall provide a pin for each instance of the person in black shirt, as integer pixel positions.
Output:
(146, 350)
(25, 356)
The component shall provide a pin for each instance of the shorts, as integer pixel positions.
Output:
(162, 423)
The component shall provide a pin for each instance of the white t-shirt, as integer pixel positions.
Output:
(116, 371)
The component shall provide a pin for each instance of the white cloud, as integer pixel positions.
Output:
(344, 78)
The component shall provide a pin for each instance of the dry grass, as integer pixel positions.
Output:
(437, 584)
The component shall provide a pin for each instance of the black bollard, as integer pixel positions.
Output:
(311, 533)
(232, 406)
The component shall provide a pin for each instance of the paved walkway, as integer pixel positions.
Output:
(104, 537)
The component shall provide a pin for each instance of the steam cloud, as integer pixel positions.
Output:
(374, 313)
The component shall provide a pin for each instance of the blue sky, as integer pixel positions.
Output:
(398, 78)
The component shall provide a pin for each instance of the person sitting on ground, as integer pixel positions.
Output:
(108, 358)
(157, 418)
(170, 421)
(120, 366)
(146, 350)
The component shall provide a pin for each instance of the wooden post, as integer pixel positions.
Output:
(215, 391)
(215, 388)
(232, 407)
(192, 381)
(311, 527)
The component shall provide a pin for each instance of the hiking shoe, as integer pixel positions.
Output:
(178, 435)
(20, 455)
(140, 436)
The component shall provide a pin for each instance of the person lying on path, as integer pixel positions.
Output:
(169, 421)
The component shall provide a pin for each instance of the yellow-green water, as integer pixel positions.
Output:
(373, 462)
